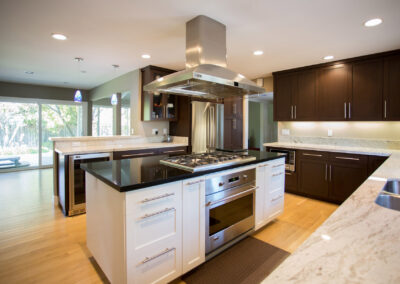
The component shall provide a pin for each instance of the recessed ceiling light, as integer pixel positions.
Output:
(83, 72)
(328, 57)
(146, 56)
(29, 72)
(373, 22)
(258, 52)
(59, 36)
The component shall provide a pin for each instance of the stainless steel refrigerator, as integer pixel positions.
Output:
(207, 126)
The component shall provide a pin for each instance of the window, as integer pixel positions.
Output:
(26, 126)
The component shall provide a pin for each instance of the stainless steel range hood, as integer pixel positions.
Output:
(206, 74)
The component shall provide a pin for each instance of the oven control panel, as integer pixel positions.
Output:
(224, 182)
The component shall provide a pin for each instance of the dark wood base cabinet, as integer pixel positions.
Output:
(330, 176)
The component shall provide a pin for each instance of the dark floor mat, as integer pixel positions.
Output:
(248, 262)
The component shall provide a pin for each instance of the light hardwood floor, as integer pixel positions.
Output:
(39, 245)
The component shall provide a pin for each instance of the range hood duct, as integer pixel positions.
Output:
(205, 74)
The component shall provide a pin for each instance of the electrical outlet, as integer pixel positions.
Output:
(154, 131)
(165, 131)
(132, 131)
(330, 132)
(286, 132)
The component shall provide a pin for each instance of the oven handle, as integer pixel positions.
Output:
(209, 203)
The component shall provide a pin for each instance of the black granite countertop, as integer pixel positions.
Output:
(130, 174)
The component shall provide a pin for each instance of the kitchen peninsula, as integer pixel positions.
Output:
(150, 223)
(70, 152)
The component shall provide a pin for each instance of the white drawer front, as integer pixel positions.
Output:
(158, 263)
(274, 203)
(154, 215)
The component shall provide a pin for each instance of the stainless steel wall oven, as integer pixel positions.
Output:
(229, 207)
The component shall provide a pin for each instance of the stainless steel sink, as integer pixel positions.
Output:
(389, 197)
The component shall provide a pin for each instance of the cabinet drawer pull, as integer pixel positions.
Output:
(194, 182)
(278, 174)
(349, 110)
(312, 155)
(173, 151)
(157, 213)
(263, 166)
(276, 198)
(157, 197)
(147, 259)
(135, 155)
(384, 111)
(277, 166)
(347, 158)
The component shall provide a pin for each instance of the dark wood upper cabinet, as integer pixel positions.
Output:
(365, 88)
(284, 90)
(367, 103)
(305, 95)
(157, 106)
(334, 92)
(392, 88)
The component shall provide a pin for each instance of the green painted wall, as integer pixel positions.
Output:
(254, 125)
(17, 90)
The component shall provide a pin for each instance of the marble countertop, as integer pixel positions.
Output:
(332, 148)
(358, 243)
(93, 138)
(86, 149)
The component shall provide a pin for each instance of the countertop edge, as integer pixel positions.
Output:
(183, 177)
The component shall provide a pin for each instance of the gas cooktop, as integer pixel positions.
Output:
(207, 161)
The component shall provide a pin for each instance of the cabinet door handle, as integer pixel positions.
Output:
(347, 158)
(157, 197)
(291, 112)
(278, 174)
(234, 108)
(147, 259)
(234, 123)
(326, 172)
(194, 182)
(384, 108)
(145, 216)
(330, 172)
(312, 155)
(173, 151)
(277, 166)
(295, 115)
(345, 110)
(135, 155)
(349, 110)
(276, 198)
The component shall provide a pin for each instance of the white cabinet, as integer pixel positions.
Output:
(154, 234)
(193, 223)
(270, 181)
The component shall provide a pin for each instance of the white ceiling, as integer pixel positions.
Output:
(291, 33)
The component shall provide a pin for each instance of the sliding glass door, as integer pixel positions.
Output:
(19, 135)
(26, 126)
(58, 120)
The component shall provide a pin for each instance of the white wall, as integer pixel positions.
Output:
(129, 82)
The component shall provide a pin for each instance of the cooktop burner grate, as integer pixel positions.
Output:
(207, 161)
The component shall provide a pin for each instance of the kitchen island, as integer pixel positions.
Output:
(359, 242)
(147, 222)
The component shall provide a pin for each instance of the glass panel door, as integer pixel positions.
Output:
(171, 107)
(59, 120)
(102, 122)
(19, 135)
